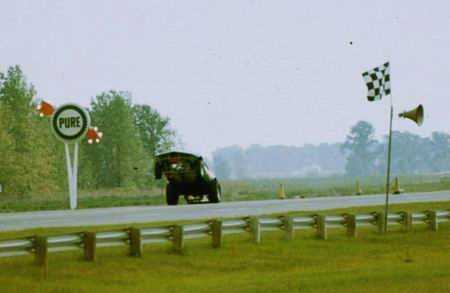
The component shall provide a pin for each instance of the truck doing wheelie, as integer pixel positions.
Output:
(187, 175)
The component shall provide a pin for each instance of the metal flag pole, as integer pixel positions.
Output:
(379, 86)
(388, 173)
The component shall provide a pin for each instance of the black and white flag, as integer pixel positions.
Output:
(378, 81)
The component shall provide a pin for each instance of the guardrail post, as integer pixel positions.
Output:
(135, 242)
(41, 253)
(433, 223)
(177, 238)
(380, 222)
(41, 250)
(89, 245)
(255, 229)
(321, 227)
(407, 221)
(350, 223)
(216, 233)
(288, 224)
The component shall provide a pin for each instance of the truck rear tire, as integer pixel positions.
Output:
(172, 195)
(215, 192)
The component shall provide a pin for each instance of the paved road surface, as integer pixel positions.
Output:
(128, 215)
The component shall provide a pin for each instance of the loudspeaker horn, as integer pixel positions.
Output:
(415, 115)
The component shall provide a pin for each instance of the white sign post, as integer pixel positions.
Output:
(70, 123)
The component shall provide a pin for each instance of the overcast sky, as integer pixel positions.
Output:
(239, 72)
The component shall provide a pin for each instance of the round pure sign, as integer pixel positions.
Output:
(70, 122)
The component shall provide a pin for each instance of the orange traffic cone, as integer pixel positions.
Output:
(396, 187)
(358, 188)
(281, 193)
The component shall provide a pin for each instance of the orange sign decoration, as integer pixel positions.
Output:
(45, 109)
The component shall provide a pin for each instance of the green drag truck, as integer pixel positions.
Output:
(187, 175)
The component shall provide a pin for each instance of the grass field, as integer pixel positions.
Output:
(397, 262)
(235, 190)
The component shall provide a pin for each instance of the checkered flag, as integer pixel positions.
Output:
(378, 82)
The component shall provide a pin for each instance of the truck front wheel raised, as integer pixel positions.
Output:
(172, 195)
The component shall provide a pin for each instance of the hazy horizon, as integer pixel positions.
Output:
(238, 72)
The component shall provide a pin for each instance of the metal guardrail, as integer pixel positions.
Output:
(135, 238)
(155, 235)
(234, 226)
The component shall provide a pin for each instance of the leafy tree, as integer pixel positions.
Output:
(32, 161)
(16, 98)
(26, 141)
(119, 160)
(6, 155)
(359, 147)
(409, 153)
(87, 178)
(154, 130)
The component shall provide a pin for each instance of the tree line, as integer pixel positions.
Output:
(32, 159)
(361, 154)
(256, 161)
(411, 153)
